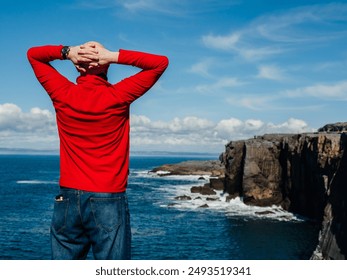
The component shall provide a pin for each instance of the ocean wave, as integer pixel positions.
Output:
(148, 232)
(165, 176)
(197, 202)
(180, 197)
(35, 182)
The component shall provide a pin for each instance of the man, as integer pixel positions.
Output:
(92, 115)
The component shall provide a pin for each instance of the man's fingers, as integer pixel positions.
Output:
(80, 68)
(87, 58)
(93, 64)
(87, 52)
(90, 44)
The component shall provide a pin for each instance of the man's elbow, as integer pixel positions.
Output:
(30, 53)
(165, 62)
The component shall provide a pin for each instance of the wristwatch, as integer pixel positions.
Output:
(65, 51)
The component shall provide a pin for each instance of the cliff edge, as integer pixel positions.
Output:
(304, 173)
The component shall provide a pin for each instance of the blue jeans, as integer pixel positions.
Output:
(83, 220)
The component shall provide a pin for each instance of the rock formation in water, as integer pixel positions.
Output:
(304, 173)
(192, 167)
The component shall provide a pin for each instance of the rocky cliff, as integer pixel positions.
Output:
(305, 174)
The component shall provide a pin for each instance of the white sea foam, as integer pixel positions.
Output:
(161, 172)
(35, 182)
(139, 173)
(232, 208)
(218, 202)
(165, 175)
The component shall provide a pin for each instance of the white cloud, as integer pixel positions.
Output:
(227, 42)
(12, 118)
(142, 124)
(196, 134)
(290, 126)
(253, 125)
(36, 129)
(237, 129)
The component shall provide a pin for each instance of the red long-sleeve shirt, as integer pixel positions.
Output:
(93, 118)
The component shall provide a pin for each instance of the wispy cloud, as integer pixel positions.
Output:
(304, 24)
(273, 34)
(236, 42)
(221, 84)
(94, 5)
(270, 72)
(336, 91)
(274, 102)
(202, 68)
(227, 42)
(176, 8)
(161, 7)
(253, 102)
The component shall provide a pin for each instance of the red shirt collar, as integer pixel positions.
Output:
(91, 79)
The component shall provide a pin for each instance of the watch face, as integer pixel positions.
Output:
(65, 51)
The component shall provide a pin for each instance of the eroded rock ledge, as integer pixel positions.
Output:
(212, 168)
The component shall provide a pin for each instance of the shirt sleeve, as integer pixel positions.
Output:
(153, 66)
(52, 81)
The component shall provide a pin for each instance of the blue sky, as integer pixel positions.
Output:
(238, 68)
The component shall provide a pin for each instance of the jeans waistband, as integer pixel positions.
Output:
(72, 190)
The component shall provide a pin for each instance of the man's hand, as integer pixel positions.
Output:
(104, 56)
(83, 57)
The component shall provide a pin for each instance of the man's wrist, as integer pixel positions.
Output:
(65, 52)
(114, 57)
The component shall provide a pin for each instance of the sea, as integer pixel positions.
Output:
(163, 227)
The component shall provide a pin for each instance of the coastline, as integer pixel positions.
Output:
(304, 174)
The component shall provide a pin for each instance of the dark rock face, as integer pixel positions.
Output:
(253, 170)
(333, 236)
(204, 190)
(305, 174)
(334, 127)
(233, 159)
(217, 184)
